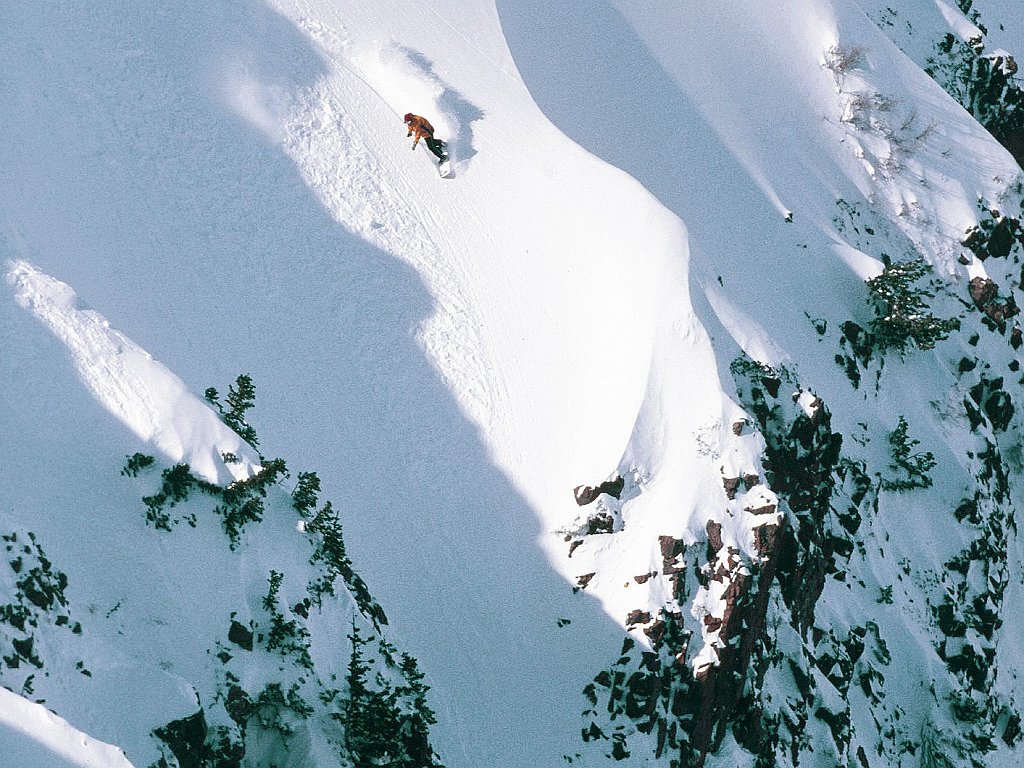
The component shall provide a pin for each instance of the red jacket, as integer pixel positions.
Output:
(419, 126)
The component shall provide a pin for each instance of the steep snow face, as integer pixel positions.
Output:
(33, 737)
(801, 154)
(232, 190)
(649, 268)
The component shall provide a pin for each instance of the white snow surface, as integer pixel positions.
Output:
(197, 190)
(33, 737)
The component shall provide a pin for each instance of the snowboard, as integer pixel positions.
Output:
(444, 166)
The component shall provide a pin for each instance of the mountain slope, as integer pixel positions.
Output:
(649, 268)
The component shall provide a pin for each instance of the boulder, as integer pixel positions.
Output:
(585, 494)
(638, 617)
(982, 291)
(240, 636)
(186, 739)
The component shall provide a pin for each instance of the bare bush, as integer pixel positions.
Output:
(841, 59)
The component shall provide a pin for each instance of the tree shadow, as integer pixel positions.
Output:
(135, 179)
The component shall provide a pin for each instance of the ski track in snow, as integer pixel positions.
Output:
(349, 178)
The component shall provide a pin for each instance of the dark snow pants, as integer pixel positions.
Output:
(436, 146)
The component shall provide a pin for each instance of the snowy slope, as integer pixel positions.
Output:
(642, 193)
(30, 736)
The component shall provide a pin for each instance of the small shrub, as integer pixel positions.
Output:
(840, 59)
(136, 463)
(243, 499)
(288, 637)
(913, 466)
(272, 707)
(176, 483)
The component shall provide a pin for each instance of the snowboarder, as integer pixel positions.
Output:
(424, 130)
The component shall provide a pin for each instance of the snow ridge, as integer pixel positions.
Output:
(32, 735)
(138, 390)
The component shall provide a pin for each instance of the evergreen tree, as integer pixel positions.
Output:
(416, 727)
(901, 310)
(370, 717)
(304, 496)
(241, 397)
(270, 599)
(331, 552)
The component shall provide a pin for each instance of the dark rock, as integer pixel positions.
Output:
(642, 694)
(714, 537)
(731, 485)
(982, 291)
(766, 539)
(240, 636)
(239, 705)
(656, 632)
(602, 522)
(999, 409)
(1003, 236)
(574, 546)
(771, 385)
(638, 617)
(643, 578)
(671, 549)
(713, 624)
(767, 509)
(999, 313)
(185, 738)
(1013, 730)
(749, 481)
(584, 580)
(585, 494)
(1015, 337)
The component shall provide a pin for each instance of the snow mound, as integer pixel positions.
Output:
(33, 737)
(128, 382)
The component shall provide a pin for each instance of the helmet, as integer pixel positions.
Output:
(408, 116)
